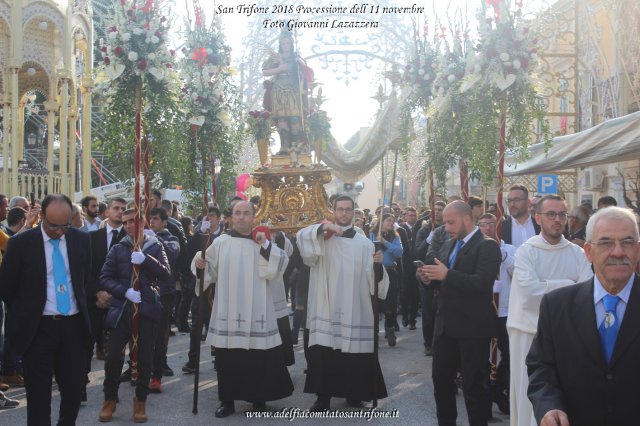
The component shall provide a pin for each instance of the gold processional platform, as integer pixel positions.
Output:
(292, 197)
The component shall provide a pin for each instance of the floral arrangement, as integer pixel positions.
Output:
(135, 46)
(507, 50)
(318, 126)
(420, 70)
(205, 71)
(210, 98)
(259, 124)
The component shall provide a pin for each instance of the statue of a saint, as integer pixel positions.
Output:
(286, 95)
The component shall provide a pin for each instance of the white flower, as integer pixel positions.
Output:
(125, 37)
(516, 64)
(209, 51)
(451, 78)
(133, 56)
(151, 56)
(477, 68)
(420, 71)
(154, 39)
(504, 56)
(138, 31)
(113, 35)
(534, 56)
(426, 77)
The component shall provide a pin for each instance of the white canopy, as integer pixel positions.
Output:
(614, 140)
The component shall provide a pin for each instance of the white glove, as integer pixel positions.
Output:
(133, 295)
(205, 225)
(137, 257)
(149, 233)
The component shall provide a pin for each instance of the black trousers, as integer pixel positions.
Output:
(96, 316)
(471, 355)
(59, 346)
(428, 314)
(502, 372)
(195, 339)
(162, 335)
(118, 339)
(182, 317)
(410, 295)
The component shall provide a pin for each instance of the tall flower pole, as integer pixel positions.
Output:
(207, 84)
(138, 233)
(136, 60)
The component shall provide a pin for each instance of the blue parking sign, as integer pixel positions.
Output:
(547, 184)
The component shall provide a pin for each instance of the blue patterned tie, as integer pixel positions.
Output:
(610, 326)
(456, 250)
(60, 279)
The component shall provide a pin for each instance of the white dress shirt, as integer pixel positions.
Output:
(599, 292)
(521, 233)
(88, 226)
(51, 305)
(110, 234)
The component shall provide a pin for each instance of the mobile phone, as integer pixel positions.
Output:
(378, 245)
(32, 199)
(418, 263)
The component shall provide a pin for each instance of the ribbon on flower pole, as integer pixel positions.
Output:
(137, 233)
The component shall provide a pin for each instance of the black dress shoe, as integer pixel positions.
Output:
(167, 371)
(396, 327)
(259, 406)
(354, 403)
(184, 329)
(502, 401)
(405, 322)
(320, 405)
(225, 409)
(412, 326)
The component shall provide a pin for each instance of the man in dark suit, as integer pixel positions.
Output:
(583, 363)
(97, 300)
(519, 226)
(467, 267)
(42, 280)
(410, 295)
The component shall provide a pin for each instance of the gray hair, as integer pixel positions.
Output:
(75, 209)
(15, 200)
(615, 213)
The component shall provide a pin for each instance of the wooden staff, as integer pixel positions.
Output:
(393, 178)
(376, 311)
(203, 249)
(499, 216)
(138, 232)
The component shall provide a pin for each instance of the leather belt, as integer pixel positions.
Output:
(58, 317)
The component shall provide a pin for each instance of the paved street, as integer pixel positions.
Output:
(406, 370)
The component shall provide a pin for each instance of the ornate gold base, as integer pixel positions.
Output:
(285, 160)
(292, 198)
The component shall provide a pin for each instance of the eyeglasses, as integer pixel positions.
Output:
(487, 224)
(608, 245)
(344, 210)
(515, 200)
(56, 227)
(554, 215)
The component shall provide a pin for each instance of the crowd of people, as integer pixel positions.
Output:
(67, 287)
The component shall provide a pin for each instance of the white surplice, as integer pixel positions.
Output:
(276, 285)
(339, 312)
(243, 314)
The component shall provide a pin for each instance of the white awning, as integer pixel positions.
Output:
(612, 141)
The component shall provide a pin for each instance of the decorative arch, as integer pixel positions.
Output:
(43, 10)
(38, 81)
(5, 13)
(41, 49)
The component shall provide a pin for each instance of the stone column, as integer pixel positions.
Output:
(6, 137)
(51, 107)
(15, 134)
(73, 123)
(87, 85)
(64, 134)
